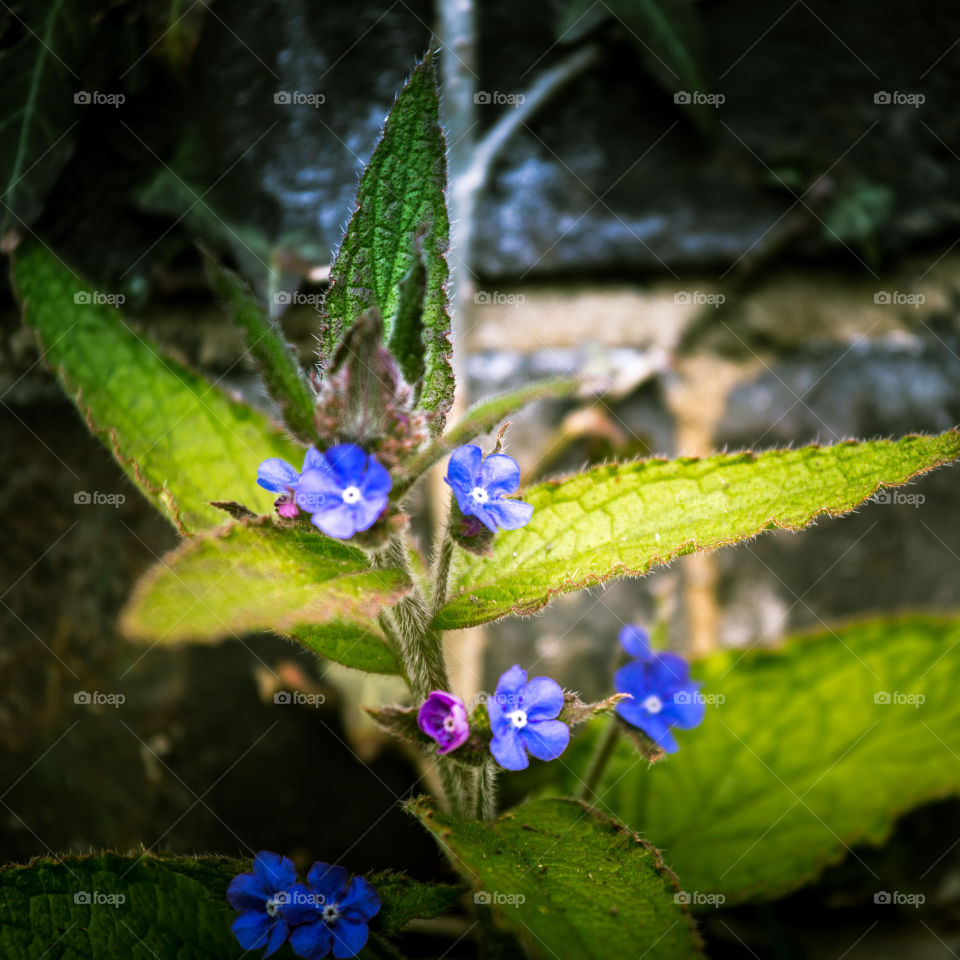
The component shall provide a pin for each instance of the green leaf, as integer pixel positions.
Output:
(400, 216)
(621, 520)
(482, 417)
(268, 575)
(282, 374)
(111, 907)
(73, 908)
(796, 761)
(37, 110)
(569, 881)
(403, 900)
(177, 436)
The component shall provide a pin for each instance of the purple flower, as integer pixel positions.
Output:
(262, 897)
(523, 719)
(444, 717)
(278, 476)
(663, 694)
(330, 913)
(480, 485)
(345, 491)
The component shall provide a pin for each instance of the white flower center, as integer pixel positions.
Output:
(275, 903)
(517, 718)
(479, 495)
(351, 494)
(653, 704)
(449, 724)
(331, 913)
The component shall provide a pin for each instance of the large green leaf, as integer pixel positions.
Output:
(111, 907)
(267, 575)
(621, 520)
(177, 436)
(569, 881)
(400, 219)
(282, 374)
(806, 752)
(37, 110)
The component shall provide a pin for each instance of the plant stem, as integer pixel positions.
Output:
(487, 791)
(598, 762)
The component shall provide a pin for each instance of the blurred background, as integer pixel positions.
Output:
(737, 220)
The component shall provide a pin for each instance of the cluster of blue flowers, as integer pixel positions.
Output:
(326, 914)
(345, 490)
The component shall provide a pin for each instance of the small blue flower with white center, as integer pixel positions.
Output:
(277, 476)
(344, 492)
(663, 695)
(262, 897)
(523, 719)
(330, 914)
(481, 485)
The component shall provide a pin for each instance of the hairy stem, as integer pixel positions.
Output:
(487, 791)
(598, 762)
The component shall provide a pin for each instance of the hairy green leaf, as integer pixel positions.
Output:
(282, 374)
(805, 752)
(400, 216)
(403, 900)
(621, 520)
(177, 436)
(267, 575)
(38, 113)
(569, 881)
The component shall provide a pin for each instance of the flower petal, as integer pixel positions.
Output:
(668, 672)
(302, 906)
(509, 514)
(312, 940)
(276, 475)
(347, 461)
(499, 475)
(252, 930)
(463, 470)
(336, 521)
(367, 511)
(246, 893)
(547, 739)
(274, 871)
(508, 751)
(542, 699)
(312, 460)
(277, 936)
(349, 937)
(471, 508)
(636, 641)
(317, 489)
(654, 725)
(511, 683)
(376, 481)
(361, 902)
(633, 679)
(685, 708)
(328, 881)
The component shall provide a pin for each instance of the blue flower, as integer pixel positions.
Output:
(278, 476)
(345, 491)
(663, 694)
(330, 913)
(262, 897)
(523, 719)
(480, 485)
